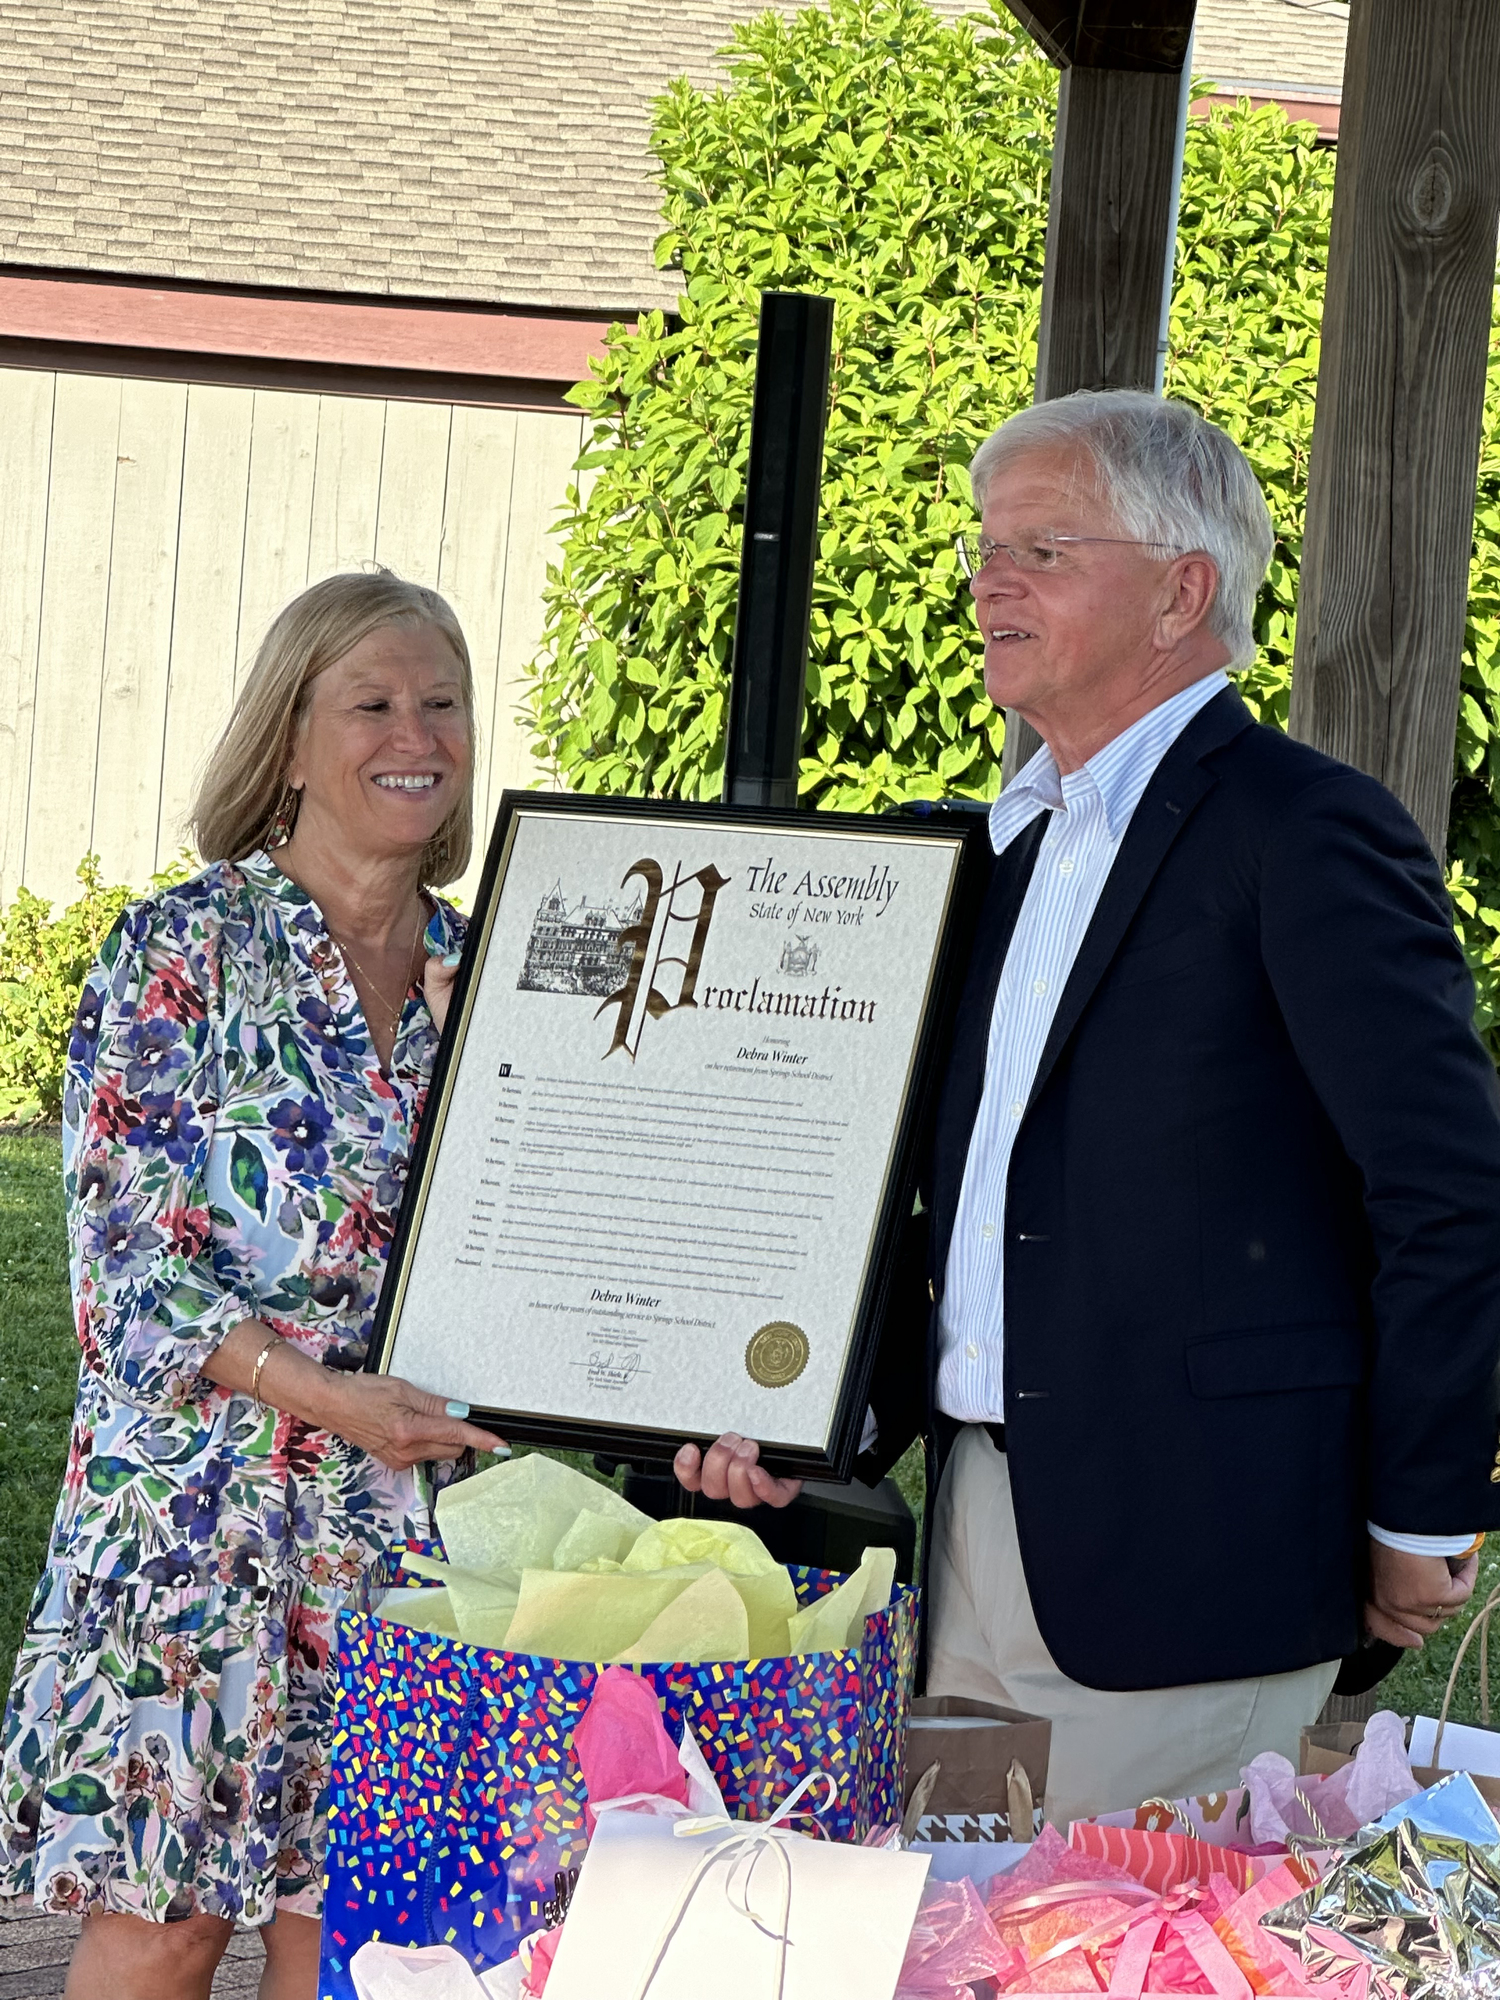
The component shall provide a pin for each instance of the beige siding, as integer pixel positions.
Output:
(148, 533)
(26, 404)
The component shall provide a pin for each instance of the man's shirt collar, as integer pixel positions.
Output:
(1117, 775)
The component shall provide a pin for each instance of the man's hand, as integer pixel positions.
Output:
(730, 1470)
(1411, 1596)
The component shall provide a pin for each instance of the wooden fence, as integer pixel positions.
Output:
(150, 530)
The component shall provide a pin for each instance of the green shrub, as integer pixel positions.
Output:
(43, 961)
(899, 164)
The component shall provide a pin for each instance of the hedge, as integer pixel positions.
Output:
(43, 962)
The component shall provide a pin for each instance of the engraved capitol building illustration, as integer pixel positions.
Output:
(581, 950)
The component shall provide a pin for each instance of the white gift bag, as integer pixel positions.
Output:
(744, 1910)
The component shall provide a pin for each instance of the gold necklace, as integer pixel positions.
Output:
(350, 960)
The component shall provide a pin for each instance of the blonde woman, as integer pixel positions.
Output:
(246, 1075)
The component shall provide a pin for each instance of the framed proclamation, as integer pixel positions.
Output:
(670, 1140)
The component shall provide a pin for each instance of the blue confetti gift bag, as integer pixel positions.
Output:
(456, 1800)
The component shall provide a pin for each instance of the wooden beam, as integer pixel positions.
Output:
(1110, 34)
(411, 335)
(1109, 229)
(1395, 452)
(1050, 24)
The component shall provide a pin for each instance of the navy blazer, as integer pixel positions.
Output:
(1252, 1255)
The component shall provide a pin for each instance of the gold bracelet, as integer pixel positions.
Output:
(260, 1362)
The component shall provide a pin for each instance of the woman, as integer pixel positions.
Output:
(246, 1075)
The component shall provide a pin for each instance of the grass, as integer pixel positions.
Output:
(39, 1367)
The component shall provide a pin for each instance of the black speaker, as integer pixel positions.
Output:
(768, 687)
(828, 1525)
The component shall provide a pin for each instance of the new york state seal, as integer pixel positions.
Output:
(777, 1354)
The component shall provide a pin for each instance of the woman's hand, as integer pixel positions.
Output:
(731, 1470)
(438, 976)
(393, 1420)
(400, 1424)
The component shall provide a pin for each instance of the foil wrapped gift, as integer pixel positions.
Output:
(1418, 1903)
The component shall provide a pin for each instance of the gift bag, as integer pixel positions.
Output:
(1164, 1861)
(456, 1804)
(1328, 1746)
(1441, 1746)
(1435, 1746)
(991, 1770)
(1220, 1818)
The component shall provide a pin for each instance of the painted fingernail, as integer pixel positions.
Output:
(453, 958)
(456, 1409)
(501, 1451)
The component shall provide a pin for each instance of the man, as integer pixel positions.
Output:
(1213, 1202)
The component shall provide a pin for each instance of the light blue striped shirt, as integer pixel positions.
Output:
(1091, 809)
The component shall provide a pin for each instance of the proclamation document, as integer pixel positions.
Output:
(668, 1142)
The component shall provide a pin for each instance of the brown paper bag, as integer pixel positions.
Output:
(991, 1776)
(1326, 1746)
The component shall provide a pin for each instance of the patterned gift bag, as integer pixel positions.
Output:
(456, 1802)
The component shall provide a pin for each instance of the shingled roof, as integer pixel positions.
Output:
(490, 151)
(1272, 48)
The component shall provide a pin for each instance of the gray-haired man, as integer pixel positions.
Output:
(1212, 1265)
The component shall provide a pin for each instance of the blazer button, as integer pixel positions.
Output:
(932, 1294)
(1495, 1476)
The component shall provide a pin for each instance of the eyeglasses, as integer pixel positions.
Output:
(1037, 558)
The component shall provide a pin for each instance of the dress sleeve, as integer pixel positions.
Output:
(141, 1100)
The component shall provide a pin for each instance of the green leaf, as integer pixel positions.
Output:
(247, 1174)
(292, 1059)
(80, 1796)
(107, 1475)
(143, 1682)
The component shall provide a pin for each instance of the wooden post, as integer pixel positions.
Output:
(1395, 449)
(1108, 224)
(1112, 216)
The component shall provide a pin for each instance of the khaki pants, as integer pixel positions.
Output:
(1109, 1751)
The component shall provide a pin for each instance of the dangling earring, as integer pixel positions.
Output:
(285, 822)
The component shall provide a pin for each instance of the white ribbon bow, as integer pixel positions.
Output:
(742, 1850)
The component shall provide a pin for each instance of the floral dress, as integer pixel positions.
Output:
(231, 1151)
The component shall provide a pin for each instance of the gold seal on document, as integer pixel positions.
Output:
(777, 1354)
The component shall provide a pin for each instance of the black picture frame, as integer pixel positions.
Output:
(966, 833)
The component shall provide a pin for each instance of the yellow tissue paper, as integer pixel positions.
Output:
(512, 1516)
(839, 1618)
(594, 1540)
(575, 1617)
(482, 1607)
(423, 1610)
(770, 1605)
(726, 1544)
(707, 1622)
(763, 1584)
(542, 1559)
